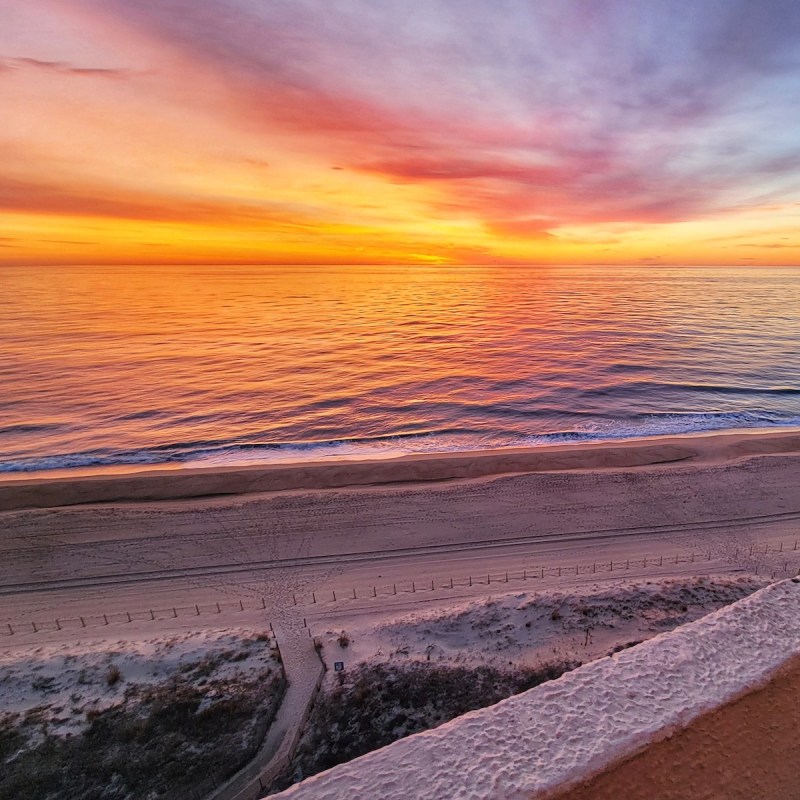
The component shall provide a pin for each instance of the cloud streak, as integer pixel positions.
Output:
(62, 68)
(39, 197)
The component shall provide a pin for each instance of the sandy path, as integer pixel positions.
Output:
(304, 672)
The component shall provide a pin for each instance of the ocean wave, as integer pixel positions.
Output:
(25, 428)
(670, 424)
(216, 452)
(659, 388)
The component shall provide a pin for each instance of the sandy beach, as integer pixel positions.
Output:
(301, 534)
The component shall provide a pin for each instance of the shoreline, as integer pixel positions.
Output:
(135, 468)
(176, 483)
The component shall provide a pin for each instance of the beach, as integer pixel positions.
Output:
(287, 533)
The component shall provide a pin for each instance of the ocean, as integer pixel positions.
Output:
(108, 367)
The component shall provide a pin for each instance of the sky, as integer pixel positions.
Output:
(400, 131)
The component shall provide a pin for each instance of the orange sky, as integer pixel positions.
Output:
(294, 131)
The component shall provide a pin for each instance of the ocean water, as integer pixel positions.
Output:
(115, 366)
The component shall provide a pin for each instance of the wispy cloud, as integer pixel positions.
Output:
(771, 245)
(525, 228)
(61, 67)
(40, 197)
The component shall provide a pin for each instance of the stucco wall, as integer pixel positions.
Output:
(546, 742)
(746, 750)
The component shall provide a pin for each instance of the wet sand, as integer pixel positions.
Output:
(173, 484)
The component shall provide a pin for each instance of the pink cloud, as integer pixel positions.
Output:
(606, 112)
(121, 202)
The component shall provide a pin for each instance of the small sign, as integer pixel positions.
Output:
(338, 666)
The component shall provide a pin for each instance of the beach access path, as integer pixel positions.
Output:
(304, 672)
